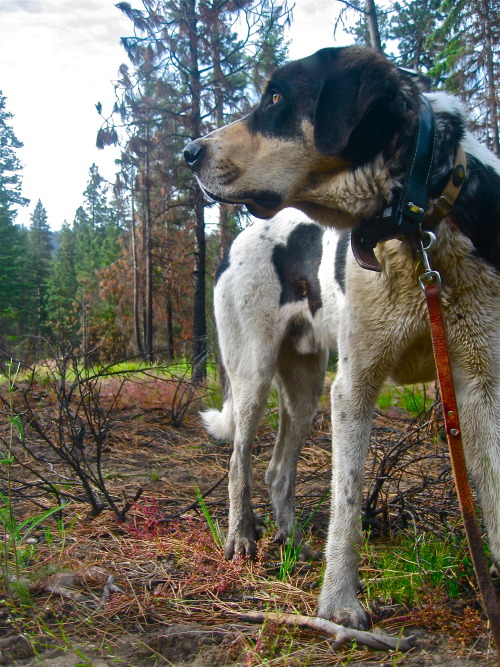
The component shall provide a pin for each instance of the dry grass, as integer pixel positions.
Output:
(178, 598)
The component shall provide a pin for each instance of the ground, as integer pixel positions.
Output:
(155, 590)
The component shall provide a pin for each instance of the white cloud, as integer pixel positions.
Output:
(57, 60)
(313, 26)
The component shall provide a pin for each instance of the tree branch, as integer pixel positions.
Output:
(339, 632)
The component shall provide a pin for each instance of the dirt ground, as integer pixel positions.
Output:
(155, 590)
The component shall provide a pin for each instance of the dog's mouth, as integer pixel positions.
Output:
(262, 205)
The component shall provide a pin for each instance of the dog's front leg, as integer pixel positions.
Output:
(353, 401)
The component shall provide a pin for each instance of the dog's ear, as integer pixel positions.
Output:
(344, 101)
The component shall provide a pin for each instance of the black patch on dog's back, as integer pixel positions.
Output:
(477, 210)
(341, 259)
(297, 266)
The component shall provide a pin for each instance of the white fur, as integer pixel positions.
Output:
(444, 103)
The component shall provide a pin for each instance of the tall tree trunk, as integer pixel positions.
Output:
(199, 315)
(223, 233)
(148, 222)
(371, 17)
(170, 323)
(85, 332)
(135, 281)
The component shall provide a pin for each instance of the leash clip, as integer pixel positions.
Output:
(428, 277)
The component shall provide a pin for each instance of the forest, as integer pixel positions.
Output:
(131, 275)
(113, 499)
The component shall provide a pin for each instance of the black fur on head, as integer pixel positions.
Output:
(360, 107)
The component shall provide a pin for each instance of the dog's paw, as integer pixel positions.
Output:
(242, 541)
(495, 569)
(239, 547)
(352, 615)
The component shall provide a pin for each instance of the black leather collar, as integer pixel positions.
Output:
(406, 209)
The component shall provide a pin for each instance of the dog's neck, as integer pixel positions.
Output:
(355, 194)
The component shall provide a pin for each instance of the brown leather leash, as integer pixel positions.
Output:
(431, 281)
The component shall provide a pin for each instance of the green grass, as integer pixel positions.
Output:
(411, 398)
(213, 524)
(45, 372)
(404, 570)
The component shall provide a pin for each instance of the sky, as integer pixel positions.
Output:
(58, 58)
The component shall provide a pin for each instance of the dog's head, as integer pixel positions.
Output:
(321, 120)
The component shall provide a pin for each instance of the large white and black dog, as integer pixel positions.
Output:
(334, 137)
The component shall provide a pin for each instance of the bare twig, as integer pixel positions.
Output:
(196, 502)
(339, 632)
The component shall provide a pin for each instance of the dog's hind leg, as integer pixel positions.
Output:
(300, 379)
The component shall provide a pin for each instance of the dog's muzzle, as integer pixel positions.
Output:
(193, 153)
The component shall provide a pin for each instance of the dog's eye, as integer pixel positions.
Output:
(272, 99)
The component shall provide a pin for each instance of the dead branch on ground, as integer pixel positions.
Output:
(339, 632)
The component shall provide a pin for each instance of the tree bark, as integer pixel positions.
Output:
(199, 318)
(148, 258)
(135, 279)
(223, 233)
(199, 315)
(170, 323)
(372, 20)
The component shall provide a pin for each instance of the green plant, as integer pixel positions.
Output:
(386, 398)
(213, 524)
(290, 552)
(16, 551)
(272, 414)
(412, 565)
(289, 556)
(411, 398)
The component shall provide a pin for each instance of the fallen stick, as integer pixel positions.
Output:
(339, 632)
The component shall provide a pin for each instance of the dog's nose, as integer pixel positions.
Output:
(193, 152)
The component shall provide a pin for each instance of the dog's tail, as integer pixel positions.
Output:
(220, 423)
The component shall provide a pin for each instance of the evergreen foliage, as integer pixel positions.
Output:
(39, 257)
(10, 166)
(12, 238)
(13, 246)
(62, 288)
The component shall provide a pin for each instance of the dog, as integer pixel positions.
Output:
(276, 302)
(334, 136)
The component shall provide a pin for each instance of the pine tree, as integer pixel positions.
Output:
(39, 257)
(191, 73)
(468, 63)
(62, 289)
(13, 248)
(10, 166)
(370, 27)
(96, 233)
(410, 25)
(12, 237)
